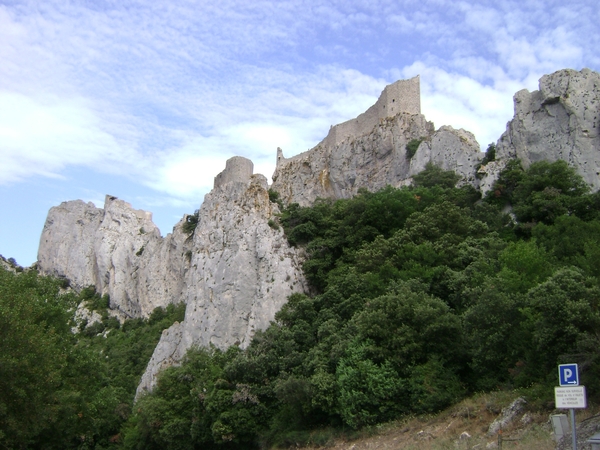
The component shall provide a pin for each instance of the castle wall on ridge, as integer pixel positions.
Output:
(403, 96)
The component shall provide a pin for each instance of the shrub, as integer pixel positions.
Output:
(411, 147)
(436, 176)
(191, 222)
(273, 196)
(490, 154)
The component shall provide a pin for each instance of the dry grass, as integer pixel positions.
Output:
(463, 426)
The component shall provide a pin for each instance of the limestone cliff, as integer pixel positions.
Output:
(235, 271)
(242, 270)
(116, 249)
(559, 121)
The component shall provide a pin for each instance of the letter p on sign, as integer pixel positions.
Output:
(568, 375)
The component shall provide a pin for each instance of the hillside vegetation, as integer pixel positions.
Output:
(422, 296)
(60, 390)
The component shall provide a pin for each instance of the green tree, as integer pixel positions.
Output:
(435, 176)
(495, 339)
(524, 265)
(33, 327)
(543, 192)
(404, 341)
(370, 392)
(563, 311)
(572, 241)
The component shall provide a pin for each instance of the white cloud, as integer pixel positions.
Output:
(42, 136)
(159, 94)
(164, 93)
(295, 116)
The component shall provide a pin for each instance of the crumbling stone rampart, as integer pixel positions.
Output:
(237, 169)
(403, 96)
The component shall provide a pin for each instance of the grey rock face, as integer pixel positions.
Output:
(234, 272)
(559, 121)
(169, 352)
(118, 250)
(374, 158)
(84, 317)
(450, 149)
(507, 416)
(371, 161)
(68, 240)
(242, 270)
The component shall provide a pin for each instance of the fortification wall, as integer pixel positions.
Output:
(403, 96)
(238, 169)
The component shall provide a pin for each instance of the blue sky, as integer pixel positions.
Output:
(147, 100)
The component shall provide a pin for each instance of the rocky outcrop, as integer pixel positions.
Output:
(84, 318)
(450, 149)
(559, 121)
(169, 352)
(507, 416)
(234, 272)
(370, 161)
(242, 269)
(118, 250)
(373, 154)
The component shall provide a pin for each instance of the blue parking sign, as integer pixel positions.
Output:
(568, 375)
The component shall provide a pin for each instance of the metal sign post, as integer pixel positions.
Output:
(570, 395)
(574, 432)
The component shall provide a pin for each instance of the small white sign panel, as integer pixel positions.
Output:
(570, 397)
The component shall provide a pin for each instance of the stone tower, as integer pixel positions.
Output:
(403, 96)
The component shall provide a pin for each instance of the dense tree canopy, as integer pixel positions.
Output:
(61, 390)
(422, 295)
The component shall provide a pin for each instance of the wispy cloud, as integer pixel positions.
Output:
(163, 92)
(147, 100)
